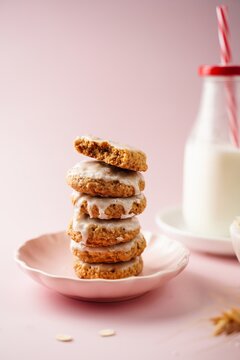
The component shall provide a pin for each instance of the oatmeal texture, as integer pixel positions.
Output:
(111, 153)
(108, 271)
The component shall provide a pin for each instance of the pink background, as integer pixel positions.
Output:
(124, 70)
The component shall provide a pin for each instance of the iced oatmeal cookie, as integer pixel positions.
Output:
(108, 208)
(108, 271)
(112, 153)
(109, 254)
(96, 178)
(95, 232)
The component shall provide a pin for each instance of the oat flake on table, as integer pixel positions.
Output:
(64, 338)
(107, 332)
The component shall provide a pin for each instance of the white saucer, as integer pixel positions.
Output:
(172, 224)
(47, 259)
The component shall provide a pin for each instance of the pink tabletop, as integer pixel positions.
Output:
(171, 322)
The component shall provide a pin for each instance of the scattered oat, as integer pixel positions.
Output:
(64, 338)
(106, 332)
(227, 323)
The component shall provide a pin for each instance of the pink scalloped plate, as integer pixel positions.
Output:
(48, 260)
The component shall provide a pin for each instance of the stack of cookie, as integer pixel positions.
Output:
(105, 233)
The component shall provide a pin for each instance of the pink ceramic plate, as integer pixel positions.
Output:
(47, 260)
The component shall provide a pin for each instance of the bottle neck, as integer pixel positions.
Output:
(212, 123)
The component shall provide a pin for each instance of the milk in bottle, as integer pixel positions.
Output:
(211, 182)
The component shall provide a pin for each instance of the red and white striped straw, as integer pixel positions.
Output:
(226, 57)
(223, 34)
(232, 114)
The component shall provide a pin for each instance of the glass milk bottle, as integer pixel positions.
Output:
(211, 181)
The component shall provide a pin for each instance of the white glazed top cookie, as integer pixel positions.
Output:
(122, 156)
(103, 203)
(82, 223)
(110, 142)
(98, 170)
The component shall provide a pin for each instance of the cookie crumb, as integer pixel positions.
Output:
(107, 332)
(64, 338)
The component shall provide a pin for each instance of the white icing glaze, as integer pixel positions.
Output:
(82, 223)
(103, 203)
(110, 142)
(98, 170)
(108, 267)
(103, 249)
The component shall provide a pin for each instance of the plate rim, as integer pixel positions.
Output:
(187, 236)
(181, 265)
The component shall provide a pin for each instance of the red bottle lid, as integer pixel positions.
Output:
(219, 70)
